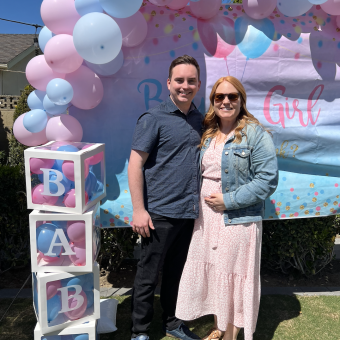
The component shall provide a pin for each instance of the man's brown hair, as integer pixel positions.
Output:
(184, 59)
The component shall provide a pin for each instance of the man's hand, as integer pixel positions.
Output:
(215, 202)
(141, 222)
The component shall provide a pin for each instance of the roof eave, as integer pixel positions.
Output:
(20, 56)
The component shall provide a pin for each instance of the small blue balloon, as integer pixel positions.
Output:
(35, 100)
(121, 9)
(59, 91)
(45, 234)
(53, 109)
(84, 336)
(53, 308)
(88, 6)
(90, 184)
(97, 38)
(44, 36)
(35, 120)
(107, 69)
(253, 37)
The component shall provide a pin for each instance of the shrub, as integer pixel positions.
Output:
(117, 244)
(305, 245)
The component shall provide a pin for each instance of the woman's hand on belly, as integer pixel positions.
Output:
(215, 202)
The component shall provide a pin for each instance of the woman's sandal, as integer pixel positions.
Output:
(214, 334)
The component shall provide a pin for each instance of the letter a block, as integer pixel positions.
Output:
(65, 176)
(86, 331)
(63, 299)
(64, 242)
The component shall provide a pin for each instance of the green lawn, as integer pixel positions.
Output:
(281, 318)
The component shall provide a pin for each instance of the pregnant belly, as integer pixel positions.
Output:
(210, 186)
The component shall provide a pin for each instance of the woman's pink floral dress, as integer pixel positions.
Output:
(222, 272)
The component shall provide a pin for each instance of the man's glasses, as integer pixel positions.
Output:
(219, 97)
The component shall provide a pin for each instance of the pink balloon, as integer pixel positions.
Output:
(160, 2)
(177, 4)
(331, 7)
(39, 74)
(223, 49)
(64, 128)
(68, 169)
(134, 29)
(70, 198)
(337, 20)
(76, 231)
(205, 9)
(52, 288)
(61, 55)
(39, 198)
(37, 163)
(94, 159)
(87, 86)
(72, 302)
(25, 137)
(59, 16)
(259, 9)
(80, 249)
(48, 258)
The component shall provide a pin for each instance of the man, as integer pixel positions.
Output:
(164, 184)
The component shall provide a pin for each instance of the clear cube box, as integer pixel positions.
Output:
(63, 299)
(64, 242)
(85, 331)
(65, 177)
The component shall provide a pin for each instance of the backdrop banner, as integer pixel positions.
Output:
(288, 66)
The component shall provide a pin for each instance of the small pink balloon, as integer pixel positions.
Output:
(160, 2)
(39, 198)
(59, 16)
(331, 7)
(76, 231)
(259, 9)
(68, 169)
(52, 288)
(39, 74)
(177, 4)
(134, 29)
(70, 198)
(72, 302)
(205, 9)
(80, 249)
(61, 55)
(87, 86)
(37, 163)
(48, 258)
(25, 137)
(64, 128)
(94, 159)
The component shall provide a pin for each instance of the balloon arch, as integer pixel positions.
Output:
(88, 43)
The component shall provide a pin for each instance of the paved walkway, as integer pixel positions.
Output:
(106, 292)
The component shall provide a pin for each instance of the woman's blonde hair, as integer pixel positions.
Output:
(211, 120)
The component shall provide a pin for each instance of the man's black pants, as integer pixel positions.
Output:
(167, 249)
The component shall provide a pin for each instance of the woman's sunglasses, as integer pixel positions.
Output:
(219, 97)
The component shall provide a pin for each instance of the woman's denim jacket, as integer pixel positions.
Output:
(249, 173)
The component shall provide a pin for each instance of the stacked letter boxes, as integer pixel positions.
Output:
(65, 182)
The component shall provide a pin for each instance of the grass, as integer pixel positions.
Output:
(280, 318)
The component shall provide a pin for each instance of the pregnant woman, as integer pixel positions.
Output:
(239, 171)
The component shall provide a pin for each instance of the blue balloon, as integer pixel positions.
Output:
(53, 109)
(121, 9)
(45, 234)
(90, 299)
(53, 308)
(84, 336)
(88, 282)
(88, 6)
(35, 120)
(253, 37)
(60, 224)
(35, 100)
(53, 187)
(97, 38)
(90, 183)
(44, 36)
(99, 188)
(59, 91)
(294, 8)
(59, 162)
(107, 69)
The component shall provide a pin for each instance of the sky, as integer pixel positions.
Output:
(20, 10)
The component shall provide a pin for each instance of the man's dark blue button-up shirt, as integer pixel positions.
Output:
(171, 172)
